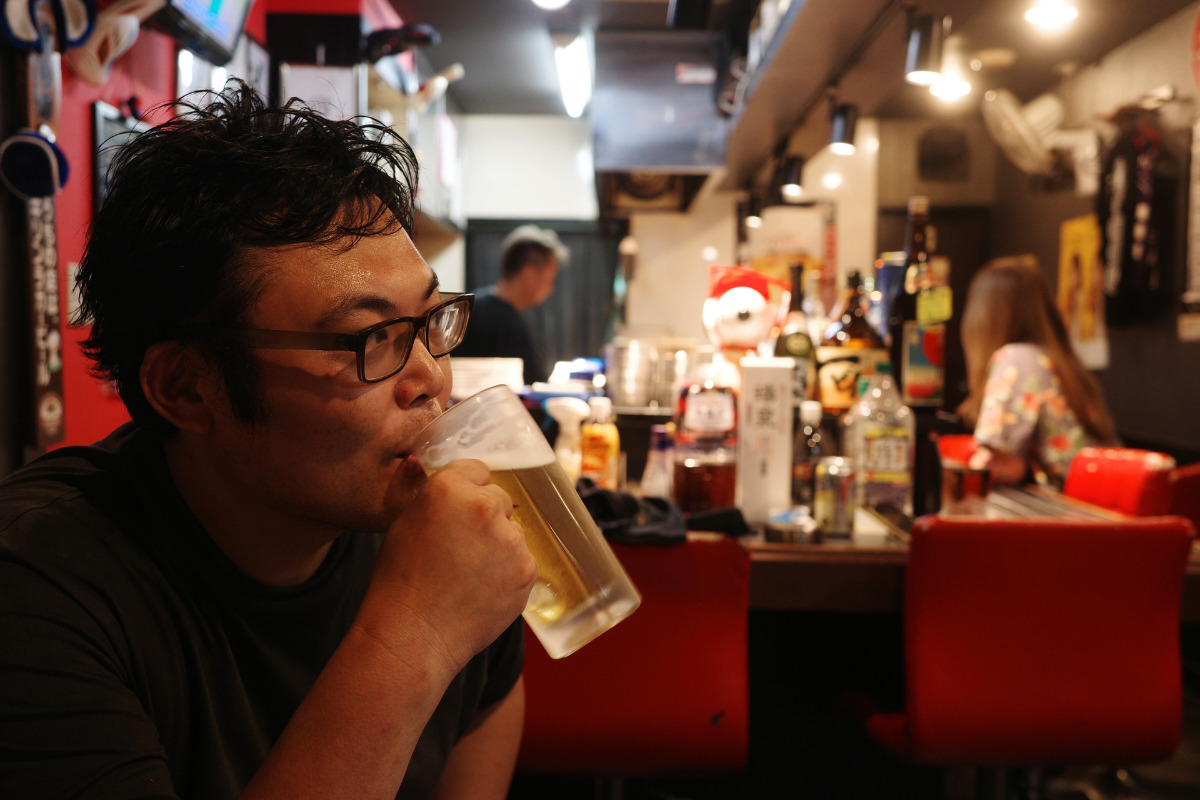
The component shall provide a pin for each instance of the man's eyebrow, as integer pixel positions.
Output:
(370, 302)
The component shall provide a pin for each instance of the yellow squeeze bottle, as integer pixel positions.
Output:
(600, 445)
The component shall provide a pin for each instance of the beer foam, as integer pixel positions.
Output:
(493, 427)
(498, 461)
(512, 449)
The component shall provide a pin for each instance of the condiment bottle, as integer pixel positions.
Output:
(656, 477)
(705, 475)
(600, 445)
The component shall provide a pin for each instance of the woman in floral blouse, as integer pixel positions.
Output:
(1032, 402)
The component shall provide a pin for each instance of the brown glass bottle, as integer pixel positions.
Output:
(903, 308)
(851, 347)
(795, 342)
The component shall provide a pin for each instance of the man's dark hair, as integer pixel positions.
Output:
(170, 250)
(530, 244)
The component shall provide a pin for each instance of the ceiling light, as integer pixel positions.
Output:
(841, 134)
(952, 84)
(752, 209)
(923, 64)
(792, 187)
(831, 180)
(1052, 15)
(550, 5)
(574, 64)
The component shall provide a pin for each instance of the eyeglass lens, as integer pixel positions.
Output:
(387, 349)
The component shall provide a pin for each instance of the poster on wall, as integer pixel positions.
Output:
(1080, 289)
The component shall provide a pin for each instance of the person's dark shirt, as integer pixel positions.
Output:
(497, 330)
(138, 661)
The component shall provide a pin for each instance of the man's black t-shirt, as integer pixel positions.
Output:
(497, 330)
(138, 661)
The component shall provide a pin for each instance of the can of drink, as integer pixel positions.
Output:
(832, 506)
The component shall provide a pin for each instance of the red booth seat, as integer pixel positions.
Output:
(1125, 479)
(665, 692)
(1041, 642)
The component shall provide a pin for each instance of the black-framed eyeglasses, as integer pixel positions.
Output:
(382, 349)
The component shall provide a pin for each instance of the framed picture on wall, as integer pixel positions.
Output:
(111, 129)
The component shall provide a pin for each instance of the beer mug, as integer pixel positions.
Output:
(581, 589)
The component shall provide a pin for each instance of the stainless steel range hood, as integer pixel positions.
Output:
(655, 102)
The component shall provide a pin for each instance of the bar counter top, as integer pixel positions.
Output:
(865, 574)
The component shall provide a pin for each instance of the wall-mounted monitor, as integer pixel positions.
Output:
(209, 28)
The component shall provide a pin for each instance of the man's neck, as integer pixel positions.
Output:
(509, 292)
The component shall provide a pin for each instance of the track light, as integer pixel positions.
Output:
(923, 64)
(751, 211)
(952, 84)
(1052, 15)
(841, 133)
(792, 186)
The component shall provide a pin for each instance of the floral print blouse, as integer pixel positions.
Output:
(1024, 412)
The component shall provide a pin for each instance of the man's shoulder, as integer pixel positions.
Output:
(488, 303)
(71, 492)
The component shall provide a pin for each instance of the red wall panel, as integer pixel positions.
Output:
(147, 71)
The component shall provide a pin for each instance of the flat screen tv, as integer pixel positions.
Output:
(209, 28)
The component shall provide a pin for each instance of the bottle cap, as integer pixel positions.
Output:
(601, 405)
(660, 437)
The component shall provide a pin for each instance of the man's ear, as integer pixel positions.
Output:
(175, 380)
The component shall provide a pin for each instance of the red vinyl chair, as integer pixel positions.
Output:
(1125, 479)
(956, 447)
(1185, 492)
(1037, 642)
(665, 692)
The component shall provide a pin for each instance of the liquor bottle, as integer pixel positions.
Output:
(600, 445)
(656, 477)
(814, 309)
(795, 342)
(705, 453)
(813, 442)
(851, 347)
(903, 309)
(880, 439)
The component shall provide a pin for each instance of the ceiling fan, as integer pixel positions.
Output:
(1032, 139)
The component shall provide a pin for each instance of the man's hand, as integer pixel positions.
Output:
(453, 568)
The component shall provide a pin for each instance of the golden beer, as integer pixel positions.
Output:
(581, 588)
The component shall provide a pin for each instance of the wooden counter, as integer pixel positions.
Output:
(866, 573)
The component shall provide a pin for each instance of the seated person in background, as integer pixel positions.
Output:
(252, 589)
(1031, 401)
(530, 258)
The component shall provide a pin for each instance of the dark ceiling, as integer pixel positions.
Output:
(506, 51)
(505, 47)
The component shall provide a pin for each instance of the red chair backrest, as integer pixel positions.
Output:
(664, 692)
(1185, 492)
(1041, 641)
(956, 447)
(1124, 479)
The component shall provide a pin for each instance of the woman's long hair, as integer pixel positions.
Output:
(1010, 301)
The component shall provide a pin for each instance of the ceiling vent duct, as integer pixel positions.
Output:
(655, 102)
